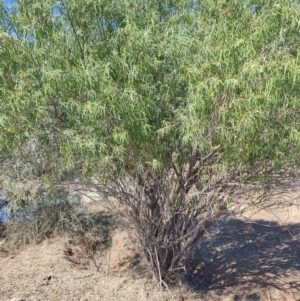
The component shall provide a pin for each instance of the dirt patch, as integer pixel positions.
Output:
(42, 273)
(122, 255)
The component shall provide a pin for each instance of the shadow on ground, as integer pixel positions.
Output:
(258, 254)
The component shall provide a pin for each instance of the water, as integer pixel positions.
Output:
(4, 213)
(28, 211)
(4, 208)
(7, 214)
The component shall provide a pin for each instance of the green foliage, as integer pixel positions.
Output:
(126, 83)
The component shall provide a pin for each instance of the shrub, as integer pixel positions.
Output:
(53, 217)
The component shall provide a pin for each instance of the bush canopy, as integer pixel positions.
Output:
(148, 91)
(100, 86)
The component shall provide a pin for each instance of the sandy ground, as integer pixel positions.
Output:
(237, 260)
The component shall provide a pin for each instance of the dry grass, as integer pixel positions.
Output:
(41, 272)
(88, 234)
